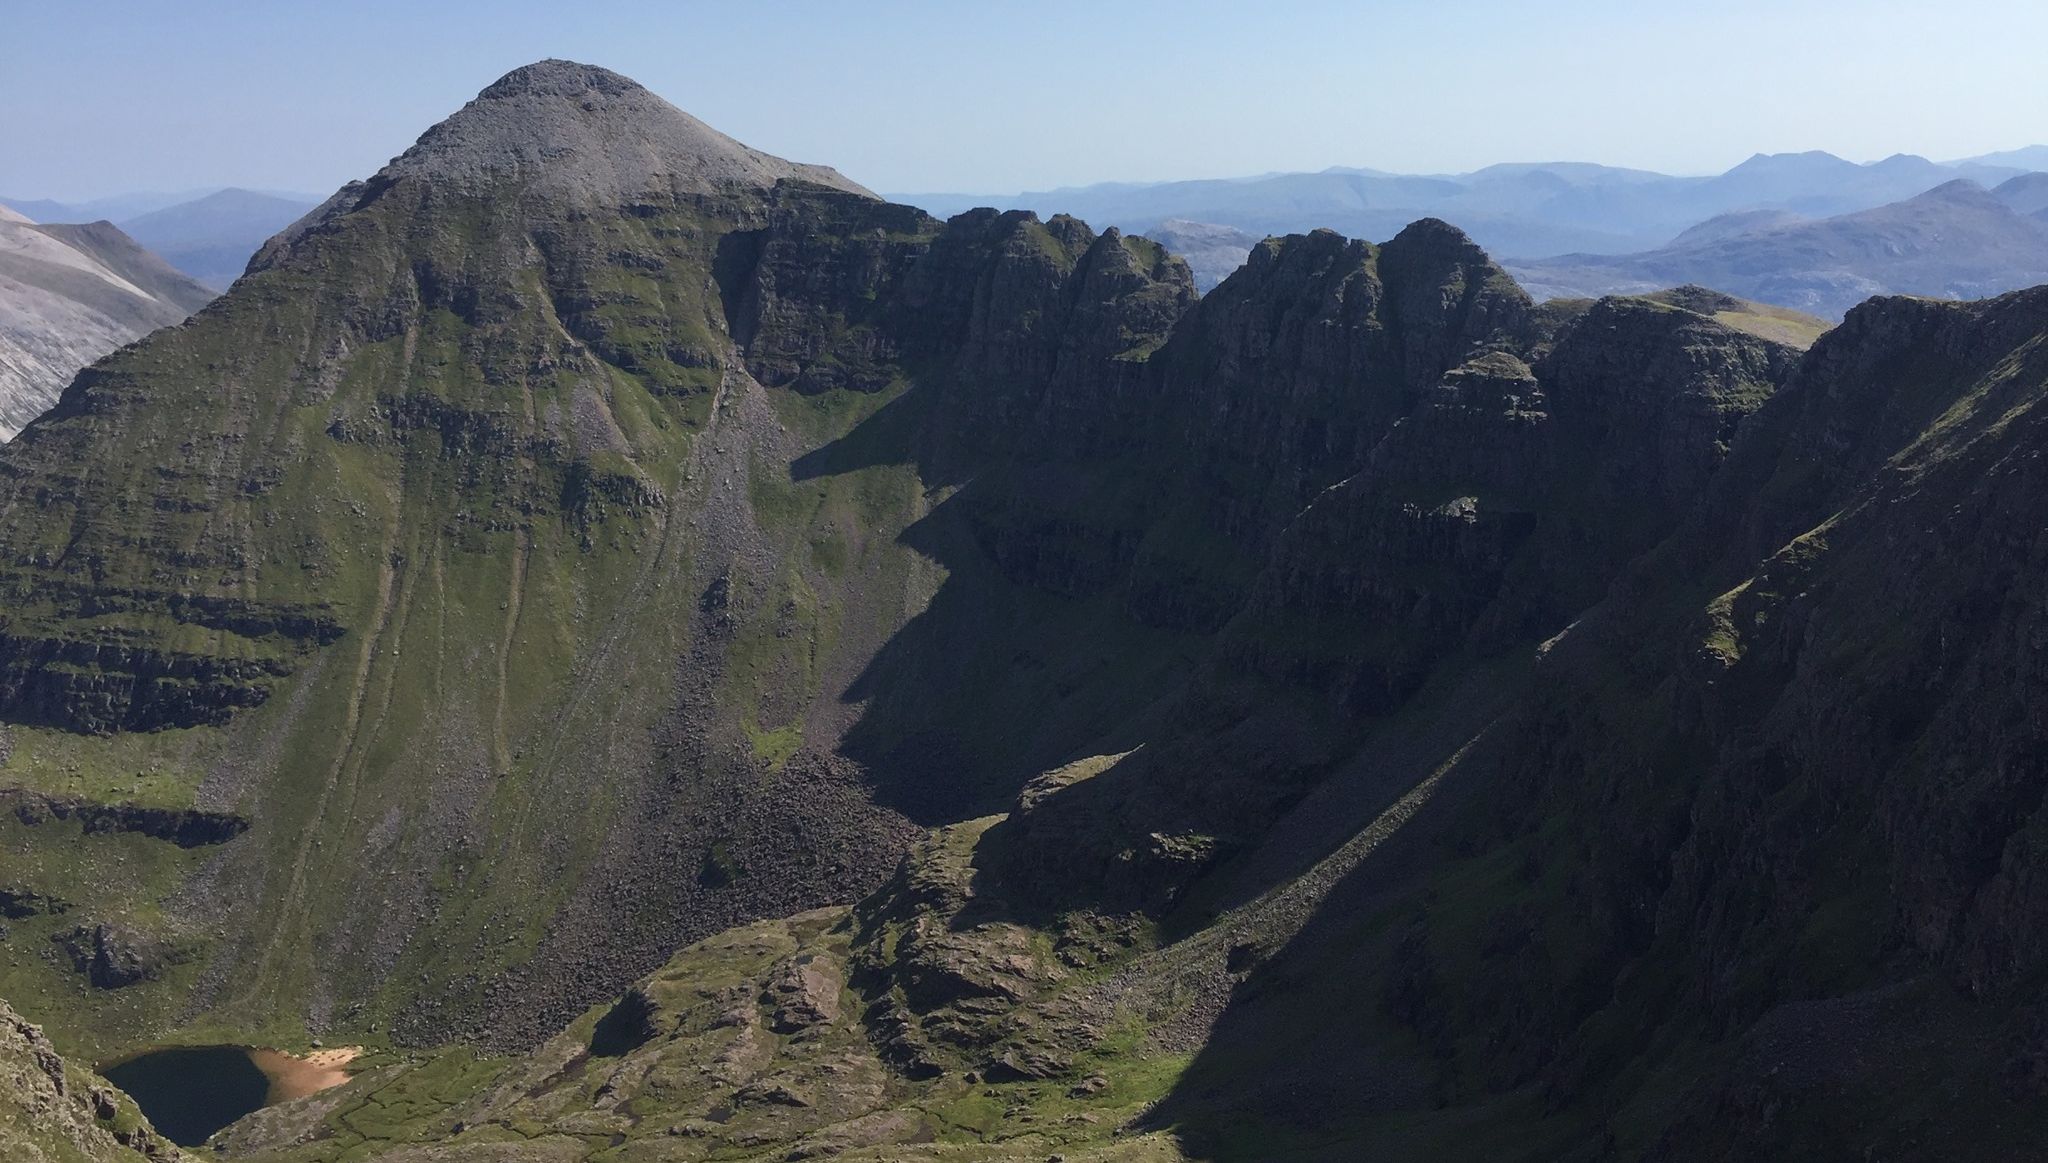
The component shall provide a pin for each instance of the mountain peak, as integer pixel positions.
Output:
(1959, 190)
(565, 128)
(2026, 194)
(559, 78)
(1812, 160)
(1437, 237)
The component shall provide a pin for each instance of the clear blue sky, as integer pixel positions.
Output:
(102, 96)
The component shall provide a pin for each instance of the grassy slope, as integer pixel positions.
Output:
(506, 658)
(513, 458)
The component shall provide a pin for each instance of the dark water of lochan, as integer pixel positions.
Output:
(190, 1092)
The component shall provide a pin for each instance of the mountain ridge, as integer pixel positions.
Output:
(783, 675)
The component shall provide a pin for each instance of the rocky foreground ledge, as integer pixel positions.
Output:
(52, 1111)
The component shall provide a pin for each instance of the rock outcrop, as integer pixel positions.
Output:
(51, 1112)
(185, 827)
(111, 956)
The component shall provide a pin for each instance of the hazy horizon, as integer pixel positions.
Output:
(119, 97)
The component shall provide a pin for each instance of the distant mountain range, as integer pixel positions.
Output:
(2031, 157)
(113, 208)
(1574, 209)
(1528, 209)
(2028, 195)
(208, 234)
(70, 294)
(1956, 241)
(212, 238)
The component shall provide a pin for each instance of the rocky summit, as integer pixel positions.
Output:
(589, 134)
(680, 658)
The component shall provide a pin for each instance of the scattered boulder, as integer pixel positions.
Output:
(113, 956)
(19, 903)
(1088, 1087)
(804, 993)
(627, 1026)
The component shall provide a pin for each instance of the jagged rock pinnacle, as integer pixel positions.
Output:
(589, 133)
(1435, 236)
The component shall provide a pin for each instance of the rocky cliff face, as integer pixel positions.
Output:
(1733, 865)
(1457, 501)
(1851, 812)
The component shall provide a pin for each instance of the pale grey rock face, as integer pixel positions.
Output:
(1212, 252)
(572, 133)
(69, 295)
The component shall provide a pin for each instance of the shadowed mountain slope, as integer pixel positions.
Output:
(1734, 865)
(1728, 882)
